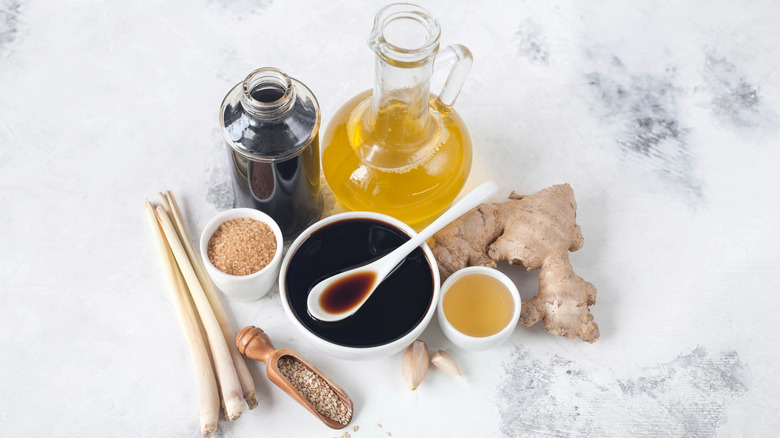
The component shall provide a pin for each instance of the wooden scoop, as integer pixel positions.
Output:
(253, 343)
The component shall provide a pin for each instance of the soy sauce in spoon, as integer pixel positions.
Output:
(347, 292)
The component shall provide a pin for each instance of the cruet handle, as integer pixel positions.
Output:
(460, 57)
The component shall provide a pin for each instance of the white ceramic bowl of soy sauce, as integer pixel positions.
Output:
(398, 310)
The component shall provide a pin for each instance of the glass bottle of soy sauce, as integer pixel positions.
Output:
(271, 123)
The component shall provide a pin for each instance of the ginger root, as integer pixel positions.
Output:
(534, 231)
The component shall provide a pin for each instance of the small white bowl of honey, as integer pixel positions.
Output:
(478, 308)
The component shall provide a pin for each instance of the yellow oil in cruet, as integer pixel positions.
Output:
(398, 149)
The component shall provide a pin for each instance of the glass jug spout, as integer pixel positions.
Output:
(404, 34)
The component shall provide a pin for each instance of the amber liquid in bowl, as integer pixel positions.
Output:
(395, 308)
(478, 305)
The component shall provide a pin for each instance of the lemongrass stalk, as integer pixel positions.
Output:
(167, 207)
(247, 383)
(220, 353)
(164, 203)
(206, 383)
(185, 240)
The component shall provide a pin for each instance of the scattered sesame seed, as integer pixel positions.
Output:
(355, 428)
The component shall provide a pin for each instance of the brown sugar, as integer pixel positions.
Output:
(242, 246)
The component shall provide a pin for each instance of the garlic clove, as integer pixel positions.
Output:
(444, 361)
(415, 363)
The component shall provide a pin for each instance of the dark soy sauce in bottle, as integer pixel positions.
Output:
(271, 123)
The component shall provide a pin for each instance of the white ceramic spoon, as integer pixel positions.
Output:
(358, 284)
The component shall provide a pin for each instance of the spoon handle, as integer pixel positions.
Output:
(471, 200)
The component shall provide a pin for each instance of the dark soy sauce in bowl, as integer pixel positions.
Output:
(396, 307)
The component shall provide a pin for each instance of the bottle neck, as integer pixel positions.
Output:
(399, 130)
(403, 90)
(267, 93)
(405, 39)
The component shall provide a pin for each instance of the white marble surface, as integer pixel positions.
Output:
(663, 116)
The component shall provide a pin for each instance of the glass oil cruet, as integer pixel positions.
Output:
(398, 149)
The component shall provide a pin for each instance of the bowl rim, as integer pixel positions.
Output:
(236, 213)
(359, 352)
(479, 340)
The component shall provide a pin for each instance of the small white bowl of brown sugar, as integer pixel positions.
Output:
(242, 251)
